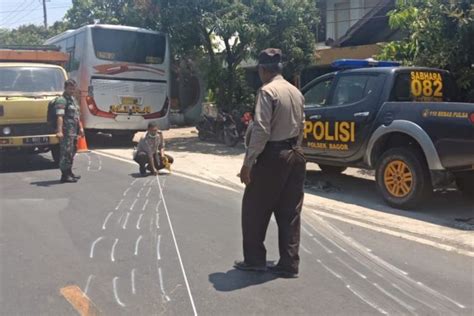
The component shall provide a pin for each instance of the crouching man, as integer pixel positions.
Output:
(150, 151)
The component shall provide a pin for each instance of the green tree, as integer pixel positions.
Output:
(439, 33)
(140, 13)
(227, 32)
(29, 34)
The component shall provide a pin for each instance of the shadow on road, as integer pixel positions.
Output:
(234, 279)
(445, 208)
(25, 162)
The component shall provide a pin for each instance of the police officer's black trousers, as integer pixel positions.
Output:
(276, 186)
(142, 159)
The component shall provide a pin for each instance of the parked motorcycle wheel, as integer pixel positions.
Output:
(231, 137)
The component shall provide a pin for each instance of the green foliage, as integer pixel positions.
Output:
(440, 34)
(228, 32)
(140, 13)
(29, 34)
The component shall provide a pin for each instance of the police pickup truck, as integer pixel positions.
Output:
(402, 122)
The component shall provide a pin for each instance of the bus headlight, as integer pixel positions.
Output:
(7, 131)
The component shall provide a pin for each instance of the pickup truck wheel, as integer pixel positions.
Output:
(55, 154)
(403, 178)
(331, 169)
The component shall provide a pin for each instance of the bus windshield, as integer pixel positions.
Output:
(129, 46)
(31, 79)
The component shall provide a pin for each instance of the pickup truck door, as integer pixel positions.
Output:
(316, 96)
(349, 115)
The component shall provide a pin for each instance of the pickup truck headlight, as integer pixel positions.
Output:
(6, 130)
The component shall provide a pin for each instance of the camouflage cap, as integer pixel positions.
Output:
(270, 56)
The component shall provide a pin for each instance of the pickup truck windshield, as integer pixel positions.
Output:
(15, 80)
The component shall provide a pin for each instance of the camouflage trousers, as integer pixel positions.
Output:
(68, 148)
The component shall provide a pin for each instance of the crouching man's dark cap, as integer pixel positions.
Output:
(270, 56)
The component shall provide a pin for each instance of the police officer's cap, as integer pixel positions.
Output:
(270, 56)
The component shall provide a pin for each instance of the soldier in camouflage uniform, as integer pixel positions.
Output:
(69, 127)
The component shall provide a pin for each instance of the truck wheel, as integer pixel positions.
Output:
(331, 169)
(55, 154)
(403, 177)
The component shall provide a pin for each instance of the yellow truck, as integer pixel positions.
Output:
(30, 77)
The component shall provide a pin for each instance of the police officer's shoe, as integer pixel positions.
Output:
(77, 177)
(67, 179)
(244, 266)
(283, 272)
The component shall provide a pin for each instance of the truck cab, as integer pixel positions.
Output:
(30, 77)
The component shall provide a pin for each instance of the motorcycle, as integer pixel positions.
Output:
(222, 128)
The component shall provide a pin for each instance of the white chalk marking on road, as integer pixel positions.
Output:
(133, 204)
(396, 299)
(126, 191)
(124, 226)
(137, 243)
(176, 246)
(100, 164)
(177, 173)
(330, 270)
(158, 256)
(390, 267)
(120, 219)
(322, 245)
(334, 243)
(139, 220)
(366, 300)
(439, 295)
(134, 181)
(119, 204)
(112, 253)
(139, 192)
(166, 297)
(157, 209)
(148, 192)
(397, 234)
(413, 297)
(106, 219)
(351, 268)
(86, 289)
(306, 231)
(115, 293)
(157, 221)
(305, 250)
(91, 255)
(144, 205)
(134, 290)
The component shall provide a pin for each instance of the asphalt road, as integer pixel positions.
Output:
(118, 244)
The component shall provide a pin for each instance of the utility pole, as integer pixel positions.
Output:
(45, 15)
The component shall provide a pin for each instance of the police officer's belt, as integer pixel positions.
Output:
(287, 143)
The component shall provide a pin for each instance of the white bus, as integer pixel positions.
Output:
(123, 74)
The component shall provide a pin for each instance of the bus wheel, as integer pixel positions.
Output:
(55, 153)
(403, 178)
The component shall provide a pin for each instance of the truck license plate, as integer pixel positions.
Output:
(36, 140)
